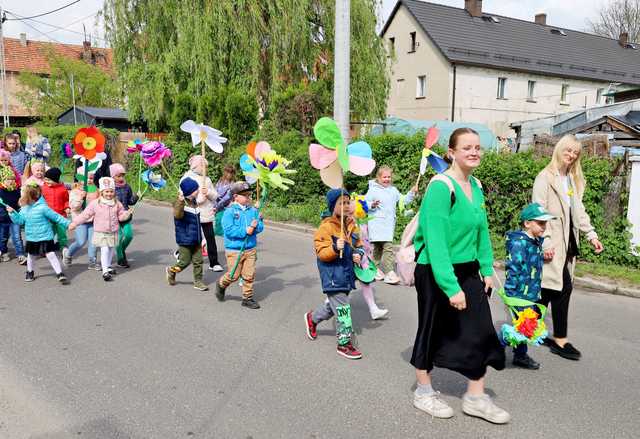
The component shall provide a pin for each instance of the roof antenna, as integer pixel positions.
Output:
(84, 29)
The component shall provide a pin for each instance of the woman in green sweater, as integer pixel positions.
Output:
(453, 281)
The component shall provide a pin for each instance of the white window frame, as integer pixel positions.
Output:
(599, 92)
(502, 88)
(564, 91)
(421, 86)
(531, 90)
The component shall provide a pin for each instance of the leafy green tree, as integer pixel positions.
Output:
(163, 48)
(51, 95)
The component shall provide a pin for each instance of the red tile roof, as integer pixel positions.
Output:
(33, 56)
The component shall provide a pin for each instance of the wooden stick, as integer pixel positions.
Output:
(341, 221)
(204, 163)
(418, 180)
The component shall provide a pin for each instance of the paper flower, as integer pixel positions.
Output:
(89, 144)
(333, 158)
(361, 212)
(134, 146)
(203, 133)
(154, 152)
(428, 156)
(153, 180)
(527, 328)
(263, 164)
(66, 151)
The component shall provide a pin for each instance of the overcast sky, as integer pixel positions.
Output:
(571, 14)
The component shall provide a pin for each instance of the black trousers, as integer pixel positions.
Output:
(559, 301)
(210, 237)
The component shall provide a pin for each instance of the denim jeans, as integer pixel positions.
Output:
(11, 230)
(83, 234)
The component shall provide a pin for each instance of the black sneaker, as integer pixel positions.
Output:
(250, 303)
(30, 276)
(525, 362)
(62, 279)
(123, 263)
(107, 276)
(220, 292)
(567, 351)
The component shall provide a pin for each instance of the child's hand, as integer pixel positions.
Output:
(375, 204)
(250, 230)
(254, 223)
(357, 258)
(340, 244)
(10, 209)
(549, 254)
(71, 227)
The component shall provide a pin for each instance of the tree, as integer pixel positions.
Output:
(51, 95)
(616, 17)
(163, 48)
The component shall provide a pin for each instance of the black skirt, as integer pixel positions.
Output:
(37, 248)
(463, 341)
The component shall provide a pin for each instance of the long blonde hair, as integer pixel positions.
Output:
(575, 170)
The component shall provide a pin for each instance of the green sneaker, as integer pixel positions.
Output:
(171, 276)
(200, 286)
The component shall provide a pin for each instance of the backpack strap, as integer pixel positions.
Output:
(446, 180)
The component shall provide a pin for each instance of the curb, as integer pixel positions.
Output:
(585, 282)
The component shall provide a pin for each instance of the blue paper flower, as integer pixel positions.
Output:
(153, 180)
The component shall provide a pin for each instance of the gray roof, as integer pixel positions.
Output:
(521, 45)
(105, 113)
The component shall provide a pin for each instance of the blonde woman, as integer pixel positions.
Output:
(559, 189)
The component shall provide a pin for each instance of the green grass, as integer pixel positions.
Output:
(627, 275)
(297, 213)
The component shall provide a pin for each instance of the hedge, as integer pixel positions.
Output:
(507, 179)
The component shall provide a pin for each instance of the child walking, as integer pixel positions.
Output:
(57, 198)
(525, 258)
(365, 272)
(37, 219)
(383, 199)
(106, 212)
(337, 250)
(125, 195)
(186, 219)
(83, 232)
(10, 195)
(241, 223)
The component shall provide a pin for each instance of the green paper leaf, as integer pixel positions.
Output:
(343, 157)
(327, 133)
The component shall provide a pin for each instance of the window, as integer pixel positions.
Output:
(392, 46)
(413, 42)
(531, 90)
(502, 85)
(421, 87)
(563, 93)
(599, 95)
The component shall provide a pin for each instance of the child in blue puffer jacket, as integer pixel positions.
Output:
(186, 220)
(37, 219)
(241, 223)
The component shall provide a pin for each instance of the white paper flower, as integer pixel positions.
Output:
(203, 133)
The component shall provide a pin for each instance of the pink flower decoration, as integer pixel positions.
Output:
(154, 152)
(134, 146)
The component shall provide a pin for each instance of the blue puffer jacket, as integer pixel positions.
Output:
(11, 198)
(187, 223)
(37, 219)
(235, 221)
(523, 266)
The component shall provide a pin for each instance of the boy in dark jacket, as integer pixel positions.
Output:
(241, 223)
(125, 195)
(10, 194)
(186, 220)
(57, 198)
(337, 248)
(523, 266)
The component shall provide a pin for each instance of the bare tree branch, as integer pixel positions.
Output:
(616, 17)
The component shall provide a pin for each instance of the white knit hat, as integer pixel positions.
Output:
(106, 183)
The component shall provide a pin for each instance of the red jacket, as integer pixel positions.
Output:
(57, 197)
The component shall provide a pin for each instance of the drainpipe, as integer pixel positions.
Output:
(453, 95)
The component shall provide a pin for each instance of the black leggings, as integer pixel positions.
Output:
(559, 302)
(210, 237)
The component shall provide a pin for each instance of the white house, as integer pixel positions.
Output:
(466, 65)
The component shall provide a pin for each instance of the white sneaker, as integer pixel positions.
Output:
(483, 407)
(66, 259)
(216, 267)
(379, 314)
(379, 275)
(241, 283)
(5, 257)
(391, 278)
(432, 405)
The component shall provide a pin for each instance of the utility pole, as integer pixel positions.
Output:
(342, 67)
(73, 99)
(3, 73)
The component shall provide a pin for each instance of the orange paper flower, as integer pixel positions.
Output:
(89, 143)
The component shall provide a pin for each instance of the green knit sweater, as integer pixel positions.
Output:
(453, 234)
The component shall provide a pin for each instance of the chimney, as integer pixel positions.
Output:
(541, 19)
(623, 39)
(23, 40)
(473, 7)
(86, 45)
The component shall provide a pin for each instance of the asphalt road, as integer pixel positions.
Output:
(137, 358)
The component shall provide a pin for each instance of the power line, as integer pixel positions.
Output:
(58, 28)
(45, 13)
(41, 33)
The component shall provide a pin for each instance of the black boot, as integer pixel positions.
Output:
(526, 362)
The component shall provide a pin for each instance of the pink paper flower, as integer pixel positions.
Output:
(154, 152)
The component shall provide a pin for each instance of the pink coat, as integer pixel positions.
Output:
(105, 218)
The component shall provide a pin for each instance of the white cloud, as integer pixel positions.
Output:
(71, 18)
